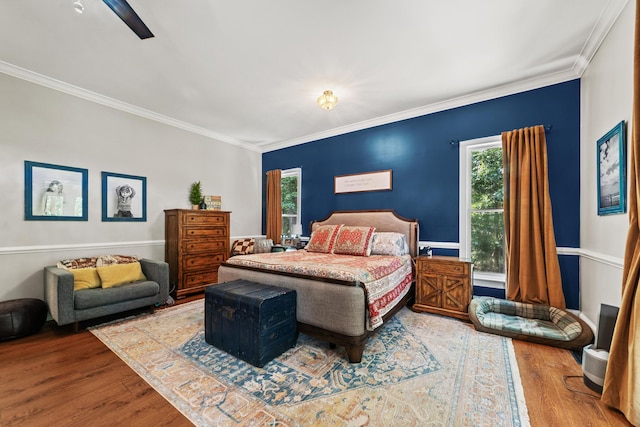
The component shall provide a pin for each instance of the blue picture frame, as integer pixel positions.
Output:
(612, 164)
(55, 192)
(124, 197)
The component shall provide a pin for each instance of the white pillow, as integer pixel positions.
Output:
(389, 243)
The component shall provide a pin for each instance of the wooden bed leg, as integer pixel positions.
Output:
(76, 327)
(355, 352)
(152, 309)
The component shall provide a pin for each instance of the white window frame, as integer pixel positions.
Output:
(487, 280)
(297, 172)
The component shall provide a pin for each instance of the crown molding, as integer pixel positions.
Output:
(51, 83)
(605, 22)
(485, 95)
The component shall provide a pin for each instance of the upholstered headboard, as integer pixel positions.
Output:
(382, 220)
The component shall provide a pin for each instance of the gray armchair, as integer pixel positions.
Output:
(70, 307)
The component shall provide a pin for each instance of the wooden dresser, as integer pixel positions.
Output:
(196, 243)
(443, 286)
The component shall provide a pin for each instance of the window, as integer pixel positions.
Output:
(290, 185)
(482, 210)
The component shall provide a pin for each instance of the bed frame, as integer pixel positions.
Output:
(328, 309)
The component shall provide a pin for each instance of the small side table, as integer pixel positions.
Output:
(443, 286)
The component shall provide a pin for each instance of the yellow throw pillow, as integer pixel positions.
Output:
(119, 274)
(85, 278)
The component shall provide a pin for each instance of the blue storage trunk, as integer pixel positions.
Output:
(251, 321)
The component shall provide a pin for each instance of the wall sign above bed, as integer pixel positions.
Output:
(369, 181)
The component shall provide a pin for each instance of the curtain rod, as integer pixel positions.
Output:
(547, 128)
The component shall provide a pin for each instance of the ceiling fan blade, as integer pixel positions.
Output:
(129, 17)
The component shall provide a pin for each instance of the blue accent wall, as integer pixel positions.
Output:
(425, 165)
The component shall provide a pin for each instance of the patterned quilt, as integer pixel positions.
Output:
(386, 279)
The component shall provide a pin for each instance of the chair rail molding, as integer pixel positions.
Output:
(610, 260)
(12, 250)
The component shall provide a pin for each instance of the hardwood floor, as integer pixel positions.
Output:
(550, 403)
(57, 378)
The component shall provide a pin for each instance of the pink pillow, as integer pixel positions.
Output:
(323, 239)
(354, 241)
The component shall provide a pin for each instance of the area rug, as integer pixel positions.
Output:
(417, 370)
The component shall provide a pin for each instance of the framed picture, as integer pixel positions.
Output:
(54, 192)
(612, 179)
(124, 197)
(369, 181)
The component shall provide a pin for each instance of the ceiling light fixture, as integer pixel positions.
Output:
(78, 7)
(327, 100)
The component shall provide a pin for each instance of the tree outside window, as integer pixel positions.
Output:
(487, 211)
(482, 210)
(290, 185)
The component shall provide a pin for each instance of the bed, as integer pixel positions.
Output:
(341, 298)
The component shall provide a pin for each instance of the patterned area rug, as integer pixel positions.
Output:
(417, 370)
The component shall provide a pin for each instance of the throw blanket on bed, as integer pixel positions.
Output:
(386, 279)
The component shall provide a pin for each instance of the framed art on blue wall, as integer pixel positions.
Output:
(368, 181)
(124, 197)
(612, 179)
(54, 192)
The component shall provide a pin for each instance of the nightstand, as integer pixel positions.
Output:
(443, 286)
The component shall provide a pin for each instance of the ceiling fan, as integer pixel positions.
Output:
(129, 17)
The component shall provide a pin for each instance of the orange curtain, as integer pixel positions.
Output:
(274, 205)
(622, 379)
(533, 270)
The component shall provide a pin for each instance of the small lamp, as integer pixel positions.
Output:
(296, 230)
(327, 100)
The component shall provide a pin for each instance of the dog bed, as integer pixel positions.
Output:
(537, 323)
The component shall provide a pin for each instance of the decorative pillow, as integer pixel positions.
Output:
(243, 247)
(323, 238)
(85, 278)
(119, 274)
(354, 241)
(70, 264)
(388, 243)
(263, 246)
(106, 260)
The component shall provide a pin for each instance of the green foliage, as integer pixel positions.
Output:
(289, 194)
(487, 219)
(289, 189)
(487, 242)
(486, 179)
(195, 193)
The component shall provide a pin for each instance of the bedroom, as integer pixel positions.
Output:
(41, 123)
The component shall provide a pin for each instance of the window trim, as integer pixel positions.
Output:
(484, 279)
(297, 172)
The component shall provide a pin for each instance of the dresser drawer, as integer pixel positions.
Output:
(200, 219)
(195, 246)
(200, 278)
(442, 267)
(196, 262)
(198, 232)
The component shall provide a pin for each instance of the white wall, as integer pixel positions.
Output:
(606, 99)
(44, 125)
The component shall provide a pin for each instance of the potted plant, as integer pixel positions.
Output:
(195, 195)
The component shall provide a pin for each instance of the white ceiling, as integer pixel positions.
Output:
(249, 72)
